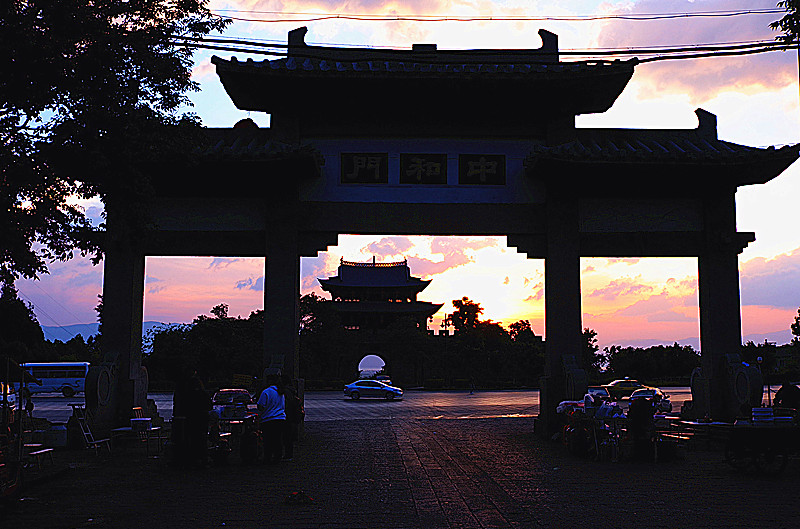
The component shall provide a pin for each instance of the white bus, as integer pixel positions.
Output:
(67, 378)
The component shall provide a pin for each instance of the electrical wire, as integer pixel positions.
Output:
(368, 17)
(651, 53)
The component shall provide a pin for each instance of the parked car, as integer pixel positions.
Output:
(660, 399)
(372, 388)
(232, 403)
(599, 392)
(232, 396)
(622, 388)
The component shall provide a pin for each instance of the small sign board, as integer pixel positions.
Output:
(242, 381)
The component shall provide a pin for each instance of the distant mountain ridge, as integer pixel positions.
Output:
(777, 337)
(65, 333)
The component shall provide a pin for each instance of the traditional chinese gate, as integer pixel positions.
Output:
(432, 142)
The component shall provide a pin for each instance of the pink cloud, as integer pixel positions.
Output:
(390, 246)
(620, 287)
(204, 70)
(454, 251)
(538, 293)
(702, 79)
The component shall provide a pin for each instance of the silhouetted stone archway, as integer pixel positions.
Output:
(375, 141)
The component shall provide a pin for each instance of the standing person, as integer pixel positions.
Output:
(272, 417)
(197, 406)
(294, 416)
(641, 427)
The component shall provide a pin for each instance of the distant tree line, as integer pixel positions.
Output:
(479, 352)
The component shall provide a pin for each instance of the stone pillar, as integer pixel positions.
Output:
(563, 331)
(720, 312)
(282, 297)
(114, 388)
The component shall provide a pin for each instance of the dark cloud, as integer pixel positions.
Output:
(620, 287)
(772, 282)
(155, 289)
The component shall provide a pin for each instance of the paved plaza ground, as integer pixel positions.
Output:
(409, 473)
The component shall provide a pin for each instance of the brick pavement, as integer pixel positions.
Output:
(409, 473)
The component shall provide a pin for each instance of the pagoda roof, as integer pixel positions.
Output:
(316, 76)
(373, 275)
(692, 155)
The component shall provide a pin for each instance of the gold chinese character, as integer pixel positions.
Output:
(367, 164)
(482, 168)
(419, 168)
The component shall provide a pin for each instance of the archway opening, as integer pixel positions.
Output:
(370, 366)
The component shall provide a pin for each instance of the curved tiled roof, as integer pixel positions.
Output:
(322, 78)
(649, 146)
(252, 145)
(394, 68)
(678, 154)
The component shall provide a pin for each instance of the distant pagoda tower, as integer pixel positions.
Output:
(373, 296)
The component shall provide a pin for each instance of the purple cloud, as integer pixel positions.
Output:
(620, 287)
(772, 282)
(222, 262)
(251, 284)
(704, 78)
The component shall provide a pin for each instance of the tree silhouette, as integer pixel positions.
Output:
(466, 314)
(790, 23)
(89, 90)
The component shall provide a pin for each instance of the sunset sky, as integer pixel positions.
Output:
(756, 99)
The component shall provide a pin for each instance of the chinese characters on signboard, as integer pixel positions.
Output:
(487, 169)
(365, 168)
(427, 168)
(423, 168)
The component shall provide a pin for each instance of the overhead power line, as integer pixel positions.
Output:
(282, 16)
(645, 54)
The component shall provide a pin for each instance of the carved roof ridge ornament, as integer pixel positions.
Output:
(372, 264)
(698, 147)
(337, 78)
(426, 53)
